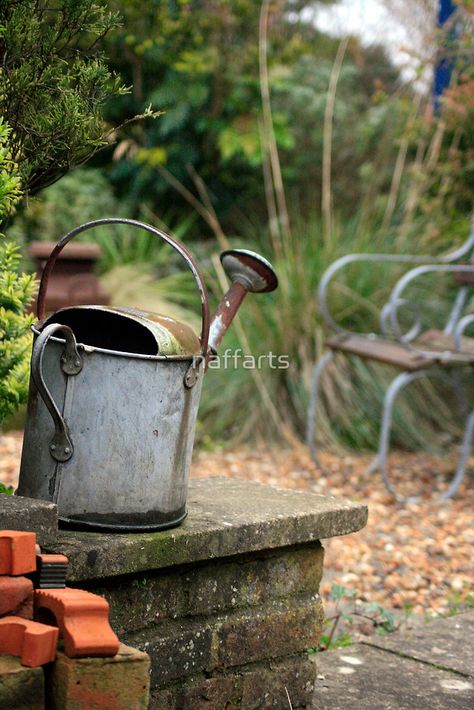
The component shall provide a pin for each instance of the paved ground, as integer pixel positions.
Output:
(430, 667)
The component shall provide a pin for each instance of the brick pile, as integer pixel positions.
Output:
(36, 608)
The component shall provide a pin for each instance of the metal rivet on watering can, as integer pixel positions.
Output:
(110, 436)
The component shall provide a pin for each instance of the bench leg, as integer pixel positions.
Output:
(463, 458)
(373, 466)
(381, 463)
(313, 403)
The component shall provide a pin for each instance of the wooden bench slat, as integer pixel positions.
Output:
(393, 353)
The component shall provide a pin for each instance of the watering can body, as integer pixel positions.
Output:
(130, 419)
(113, 400)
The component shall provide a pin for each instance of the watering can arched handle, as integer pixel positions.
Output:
(61, 447)
(184, 253)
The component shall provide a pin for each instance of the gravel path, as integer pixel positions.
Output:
(417, 556)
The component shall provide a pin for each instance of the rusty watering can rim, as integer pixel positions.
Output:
(120, 353)
(182, 251)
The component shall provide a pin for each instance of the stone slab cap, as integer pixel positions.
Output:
(16, 597)
(225, 517)
(34, 643)
(39, 516)
(17, 552)
(83, 619)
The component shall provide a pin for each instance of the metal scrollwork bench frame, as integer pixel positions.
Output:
(433, 353)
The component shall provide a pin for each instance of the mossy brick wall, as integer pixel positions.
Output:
(227, 604)
(229, 633)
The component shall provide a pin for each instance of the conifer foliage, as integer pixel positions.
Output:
(16, 292)
(53, 84)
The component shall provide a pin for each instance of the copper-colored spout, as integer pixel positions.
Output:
(249, 272)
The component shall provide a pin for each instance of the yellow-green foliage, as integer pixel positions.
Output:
(16, 292)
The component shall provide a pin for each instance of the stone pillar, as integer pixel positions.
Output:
(226, 605)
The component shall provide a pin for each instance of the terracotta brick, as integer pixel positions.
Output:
(83, 619)
(20, 688)
(34, 643)
(16, 597)
(17, 552)
(119, 682)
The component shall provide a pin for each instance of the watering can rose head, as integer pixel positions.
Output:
(114, 395)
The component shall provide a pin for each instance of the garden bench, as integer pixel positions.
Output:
(419, 350)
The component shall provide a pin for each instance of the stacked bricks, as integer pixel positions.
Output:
(227, 605)
(229, 635)
(34, 643)
(76, 681)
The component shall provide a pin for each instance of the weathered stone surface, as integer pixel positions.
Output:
(362, 677)
(191, 646)
(225, 517)
(279, 685)
(176, 650)
(213, 693)
(227, 604)
(30, 515)
(162, 700)
(21, 688)
(253, 581)
(138, 602)
(281, 630)
(446, 643)
(258, 685)
(212, 588)
(119, 682)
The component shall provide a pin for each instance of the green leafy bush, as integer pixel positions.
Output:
(199, 62)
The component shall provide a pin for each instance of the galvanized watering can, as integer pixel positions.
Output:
(114, 395)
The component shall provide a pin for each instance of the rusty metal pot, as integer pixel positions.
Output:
(114, 395)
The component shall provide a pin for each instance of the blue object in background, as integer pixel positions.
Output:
(443, 68)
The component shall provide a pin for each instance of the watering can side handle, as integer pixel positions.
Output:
(180, 248)
(61, 447)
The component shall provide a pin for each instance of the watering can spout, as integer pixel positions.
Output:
(248, 272)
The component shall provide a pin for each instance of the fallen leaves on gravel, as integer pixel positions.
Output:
(416, 556)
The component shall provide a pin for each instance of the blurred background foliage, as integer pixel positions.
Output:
(401, 179)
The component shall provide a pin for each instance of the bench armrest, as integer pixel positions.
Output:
(344, 261)
(455, 326)
(460, 329)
